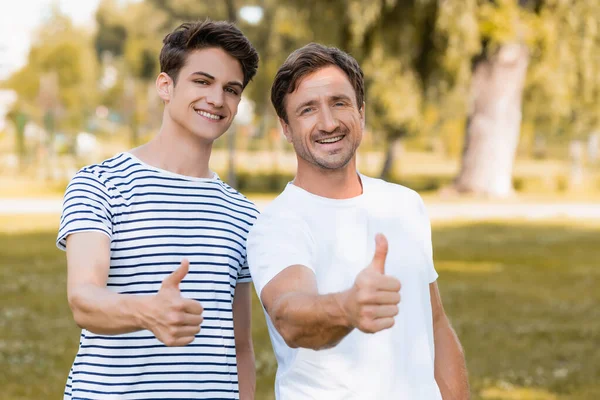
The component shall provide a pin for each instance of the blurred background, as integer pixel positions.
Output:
(490, 109)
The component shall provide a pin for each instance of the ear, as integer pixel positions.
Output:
(286, 130)
(363, 115)
(164, 86)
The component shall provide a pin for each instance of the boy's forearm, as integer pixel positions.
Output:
(246, 373)
(104, 312)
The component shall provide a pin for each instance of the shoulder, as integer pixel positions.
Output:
(281, 217)
(97, 177)
(232, 197)
(286, 206)
(110, 166)
(104, 171)
(392, 191)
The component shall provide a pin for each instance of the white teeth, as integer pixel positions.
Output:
(331, 140)
(208, 115)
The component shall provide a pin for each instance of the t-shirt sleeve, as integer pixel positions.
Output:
(432, 274)
(244, 275)
(276, 242)
(86, 208)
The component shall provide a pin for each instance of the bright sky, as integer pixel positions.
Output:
(19, 18)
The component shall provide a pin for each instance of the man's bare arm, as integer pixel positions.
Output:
(173, 319)
(450, 367)
(242, 323)
(306, 319)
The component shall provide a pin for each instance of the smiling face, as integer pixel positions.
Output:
(325, 124)
(205, 98)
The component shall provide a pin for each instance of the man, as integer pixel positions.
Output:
(342, 262)
(155, 242)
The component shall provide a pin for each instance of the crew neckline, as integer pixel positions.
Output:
(349, 202)
(214, 178)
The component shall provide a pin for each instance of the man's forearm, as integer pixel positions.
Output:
(104, 312)
(311, 321)
(246, 372)
(450, 367)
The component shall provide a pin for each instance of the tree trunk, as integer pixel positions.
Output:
(494, 123)
(393, 148)
(20, 123)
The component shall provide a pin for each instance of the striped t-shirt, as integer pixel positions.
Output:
(154, 219)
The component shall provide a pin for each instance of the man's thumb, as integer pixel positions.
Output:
(381, 250)
(174, 279)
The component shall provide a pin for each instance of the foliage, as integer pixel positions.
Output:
(60, 75)
(417, 55)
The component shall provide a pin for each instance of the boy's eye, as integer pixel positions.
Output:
(232, 91)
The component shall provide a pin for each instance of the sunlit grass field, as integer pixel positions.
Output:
(523, 297)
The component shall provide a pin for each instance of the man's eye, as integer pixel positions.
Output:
(232, 91)
(201, 82)
(339, 104)
(305, 110)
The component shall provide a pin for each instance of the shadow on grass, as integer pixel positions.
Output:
(523, 299)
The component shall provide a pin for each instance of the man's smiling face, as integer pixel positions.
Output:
(324, 123)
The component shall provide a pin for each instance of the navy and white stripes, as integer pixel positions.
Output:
(154, 219)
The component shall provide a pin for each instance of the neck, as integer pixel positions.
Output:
(177, 150)
(341, 183)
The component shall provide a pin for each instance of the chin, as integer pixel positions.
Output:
(333, 163)
(207, 136)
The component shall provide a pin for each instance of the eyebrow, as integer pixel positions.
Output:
(209, 76)
(314, 102)
(305, 104)
(340, 97)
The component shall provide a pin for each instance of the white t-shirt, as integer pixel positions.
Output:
(336, 240)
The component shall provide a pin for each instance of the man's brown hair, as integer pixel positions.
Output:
(307, 60)
(191, 36)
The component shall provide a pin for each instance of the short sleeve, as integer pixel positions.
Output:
(276, 242)
(244, 275)
(86, 207)
(427, 242)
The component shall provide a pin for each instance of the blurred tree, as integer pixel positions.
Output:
(111, 30)
(60, 75)
(506, 29)
(19, 119)
(541, 51)
(429, 64)
(57, 88)
(470, 59)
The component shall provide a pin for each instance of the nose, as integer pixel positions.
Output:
(215, 96)
(327, 121)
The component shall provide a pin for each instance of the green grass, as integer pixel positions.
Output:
(523, 298)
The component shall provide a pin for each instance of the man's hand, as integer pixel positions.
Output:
(173, 319)
(372, 302)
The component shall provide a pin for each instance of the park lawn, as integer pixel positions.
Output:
(523, 298)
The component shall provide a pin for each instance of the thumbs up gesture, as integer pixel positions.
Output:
(172, 318)
(372, 302)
